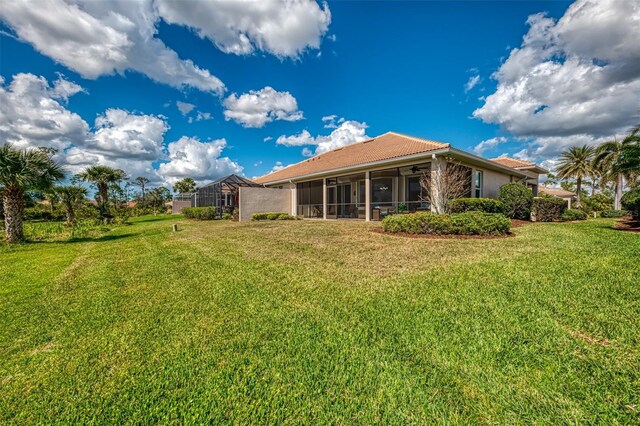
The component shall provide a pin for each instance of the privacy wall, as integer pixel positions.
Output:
(263, 200)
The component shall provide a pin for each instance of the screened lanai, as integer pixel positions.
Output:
(222, 193)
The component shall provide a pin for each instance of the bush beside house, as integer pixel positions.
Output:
(466, 223)
(202, 213)
(574, 214)
(272, 216)
(631, 202)
(548, 209)
(517, 200)
(613, 213)
(487, 205)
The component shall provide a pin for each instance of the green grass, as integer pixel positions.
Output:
(321, 322)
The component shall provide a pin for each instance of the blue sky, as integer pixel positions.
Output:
(376, 66)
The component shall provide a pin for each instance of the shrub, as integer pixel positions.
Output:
(272, 216)
(487, 205)
(548, 209)
(598, 202)
(202, 213)
(227, 216)
(466, 223)
(517, 200)
(613, 213)
(631, 202)
(574, 214)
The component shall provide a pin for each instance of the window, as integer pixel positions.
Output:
(382, 190)
(478, 184)
(414, 189)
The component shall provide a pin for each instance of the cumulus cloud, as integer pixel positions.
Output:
(332, 121)
(285, 29)
(471, 83)
(489, 144)
(202, 161)
(258, 107)
(184, 107)
(32, 113)
(346, 133)
(277, 166)
(576, 79)
(96, 38)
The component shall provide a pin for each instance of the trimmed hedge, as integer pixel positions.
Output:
(631, 202)
(574, 214)
(272, 216)
(517, 200)
(613, 213)
(202, 213)
(548, 209)
(467, 223)
(227, 216)
(487, 205)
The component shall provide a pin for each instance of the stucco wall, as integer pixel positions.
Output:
(492, 183)
(262, 200)
(179, 205)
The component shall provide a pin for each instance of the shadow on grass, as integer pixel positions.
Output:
(103, 238)
(146, 219)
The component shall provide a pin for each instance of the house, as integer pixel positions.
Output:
(568, 196)
(373, 178)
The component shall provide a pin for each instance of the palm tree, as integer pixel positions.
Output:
(71, 196)
(607, 158)
(630, 157)
(20, 171)
(141, 182)
(102, 177)
(576, 163)
(185, 186)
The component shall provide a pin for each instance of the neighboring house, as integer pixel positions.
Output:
(370, 179)
(532, 170)
(568, 196)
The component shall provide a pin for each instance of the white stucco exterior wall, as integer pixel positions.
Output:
(263, 200)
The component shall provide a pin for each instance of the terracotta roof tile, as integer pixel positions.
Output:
(512, 162)
(384, 147)
(556, 192)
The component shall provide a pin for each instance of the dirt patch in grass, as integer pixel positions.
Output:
(627, 224)
(517, 223)
(443, 237)
(589, 339)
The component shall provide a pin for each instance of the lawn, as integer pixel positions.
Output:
(321, 322)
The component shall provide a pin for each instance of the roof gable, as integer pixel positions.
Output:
(513, 163)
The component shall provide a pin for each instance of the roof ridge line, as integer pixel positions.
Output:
(417, 138)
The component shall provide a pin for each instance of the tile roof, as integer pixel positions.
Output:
(512, 162)
(385, 147)
(556, 192)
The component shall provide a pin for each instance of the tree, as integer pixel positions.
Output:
(141, 182)
(449, 182)
(629, 161)
(20, 171)
(607, 158)
(72, 197)
(157, 198)
(576, 163)
(101, 177)
(185, 186)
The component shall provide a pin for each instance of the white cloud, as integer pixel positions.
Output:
(98, 38)
(202, 161)
(258, 107)
(489, 144)
(267, 139)
(32, 115)
(332, 121)
(304, 138)
(285, 29)
(307, 152)
(277, 166)
(203, 116)
(577, 79)
(347, 133)
(184, 107)
(471, 83)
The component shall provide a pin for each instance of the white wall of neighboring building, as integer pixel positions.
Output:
(263, 200)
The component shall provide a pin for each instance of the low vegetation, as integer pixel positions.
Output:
(308, 322)
(574, 214)
(467, 223)
(548, 209)
(201, 213)
(631, 202)
(272, 216)
(487, 205)
(613, 213)
(517, 200)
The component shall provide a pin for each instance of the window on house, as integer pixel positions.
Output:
(382, 190)
(478, 184)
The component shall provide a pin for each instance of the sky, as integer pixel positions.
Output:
(167, 89)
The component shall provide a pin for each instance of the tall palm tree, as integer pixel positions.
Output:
(141, 182)
(71, 196)
(102, 177)
(576, 163)
(630, 157)
(607, 158)
(20, 171)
